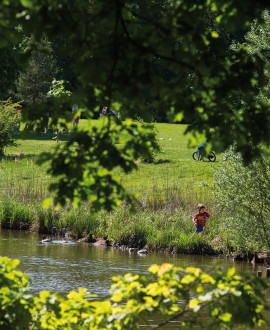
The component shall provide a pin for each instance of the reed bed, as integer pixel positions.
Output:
(162, 220)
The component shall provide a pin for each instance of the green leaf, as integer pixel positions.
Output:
(225, 317)
(230, 272)
(27, 3)
(47, 202)
(194, 303)
(214, 34)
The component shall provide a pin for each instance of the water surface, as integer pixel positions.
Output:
(59, 267)
(65, 267)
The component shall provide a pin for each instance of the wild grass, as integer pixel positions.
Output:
(166, 226)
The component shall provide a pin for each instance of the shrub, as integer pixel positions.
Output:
(242, 193)
(15, 301)
(217, 301)
(9, 120)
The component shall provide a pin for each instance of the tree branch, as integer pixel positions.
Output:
(154, 53)
(168, 320)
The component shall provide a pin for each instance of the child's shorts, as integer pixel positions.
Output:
(199, 229)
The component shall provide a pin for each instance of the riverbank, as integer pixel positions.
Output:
(164, 227)
(159, 224)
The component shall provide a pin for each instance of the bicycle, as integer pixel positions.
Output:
(211, 157)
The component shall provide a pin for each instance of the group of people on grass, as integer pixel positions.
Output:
(47, 116)
(104, 112)
(75, 108)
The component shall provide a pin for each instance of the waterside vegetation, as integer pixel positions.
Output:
(217, 301)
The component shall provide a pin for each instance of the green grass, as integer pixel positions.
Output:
(173, 165)
(169, 190)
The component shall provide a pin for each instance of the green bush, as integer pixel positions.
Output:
(14, 215)
(216, 301)
(242, 193)
(15, 302)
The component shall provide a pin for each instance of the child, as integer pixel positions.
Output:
(200, 151)
(200, 218)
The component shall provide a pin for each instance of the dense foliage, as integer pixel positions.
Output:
(257, 43)
(83, 166)
(242, 193)
(219, 300)
(9, 71)
(141, 57)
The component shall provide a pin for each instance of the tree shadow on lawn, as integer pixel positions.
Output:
(41, 136)
(19, 156)
(161, 161)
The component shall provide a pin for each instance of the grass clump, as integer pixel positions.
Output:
(15, 215)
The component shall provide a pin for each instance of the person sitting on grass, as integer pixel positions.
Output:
(200, 218)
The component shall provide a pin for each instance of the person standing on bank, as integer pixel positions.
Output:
(200, 218)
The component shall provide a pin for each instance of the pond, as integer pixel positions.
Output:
(59, 267)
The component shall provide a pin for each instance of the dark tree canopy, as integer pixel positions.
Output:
(174, 53)
(9, 71)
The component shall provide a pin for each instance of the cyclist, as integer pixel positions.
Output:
(200, 151)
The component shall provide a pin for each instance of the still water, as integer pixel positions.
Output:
(59, 267)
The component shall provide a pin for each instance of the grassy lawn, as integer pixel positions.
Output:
(173, 165)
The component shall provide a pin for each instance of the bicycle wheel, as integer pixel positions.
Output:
(212, 157)
(195, 155)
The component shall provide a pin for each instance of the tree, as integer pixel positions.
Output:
(121, 52)
(57, 89)
(64, 63)
(35, 80)
(9, 120)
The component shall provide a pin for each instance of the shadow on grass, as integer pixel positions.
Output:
(161, 161)
(208, 161)
(21, 157)
(41, 136)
